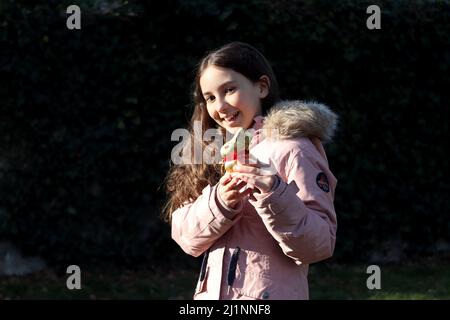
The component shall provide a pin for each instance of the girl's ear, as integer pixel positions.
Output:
(264, 86)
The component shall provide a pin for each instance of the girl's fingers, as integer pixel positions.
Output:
(242, 168)
(257, 171)
(246, 192)
(236, 195)
(249, 179)
(231, 184)
(225, 179)
(240, 185)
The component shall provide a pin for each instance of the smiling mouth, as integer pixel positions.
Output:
(232, 117)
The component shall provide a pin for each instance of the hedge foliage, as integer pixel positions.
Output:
(86, 116)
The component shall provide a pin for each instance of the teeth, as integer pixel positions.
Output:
(232, 117)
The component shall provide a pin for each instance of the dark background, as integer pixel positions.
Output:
(86, 118)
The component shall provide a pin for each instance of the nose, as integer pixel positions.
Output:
(221, 105)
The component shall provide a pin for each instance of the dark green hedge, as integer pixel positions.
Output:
(86, 117)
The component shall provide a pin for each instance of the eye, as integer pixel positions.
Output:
(210, 98)
(230, 90)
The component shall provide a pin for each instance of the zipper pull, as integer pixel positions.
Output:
(232, 268)
(203, 267)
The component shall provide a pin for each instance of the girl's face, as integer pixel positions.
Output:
(232, 100)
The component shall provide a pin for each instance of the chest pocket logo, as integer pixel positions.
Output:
(322, 182)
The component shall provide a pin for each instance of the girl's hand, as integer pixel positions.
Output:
(229, 190)
(259, 176)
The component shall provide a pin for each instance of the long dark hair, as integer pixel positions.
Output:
(184, 183)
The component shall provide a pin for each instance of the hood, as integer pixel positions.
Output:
(295, 118)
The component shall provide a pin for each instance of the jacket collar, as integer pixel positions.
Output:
(295, 118)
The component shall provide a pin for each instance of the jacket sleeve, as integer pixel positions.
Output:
(197, 225)
(299, 214)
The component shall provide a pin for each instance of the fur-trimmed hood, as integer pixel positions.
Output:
(295, 118)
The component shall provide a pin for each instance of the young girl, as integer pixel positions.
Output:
(258, 229)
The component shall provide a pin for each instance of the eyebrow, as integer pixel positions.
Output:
(222, 85)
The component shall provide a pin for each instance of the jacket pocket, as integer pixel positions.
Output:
(252, 275)
(253, 263)
(256, 280)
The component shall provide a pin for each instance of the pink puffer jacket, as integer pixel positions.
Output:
(262, 249)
